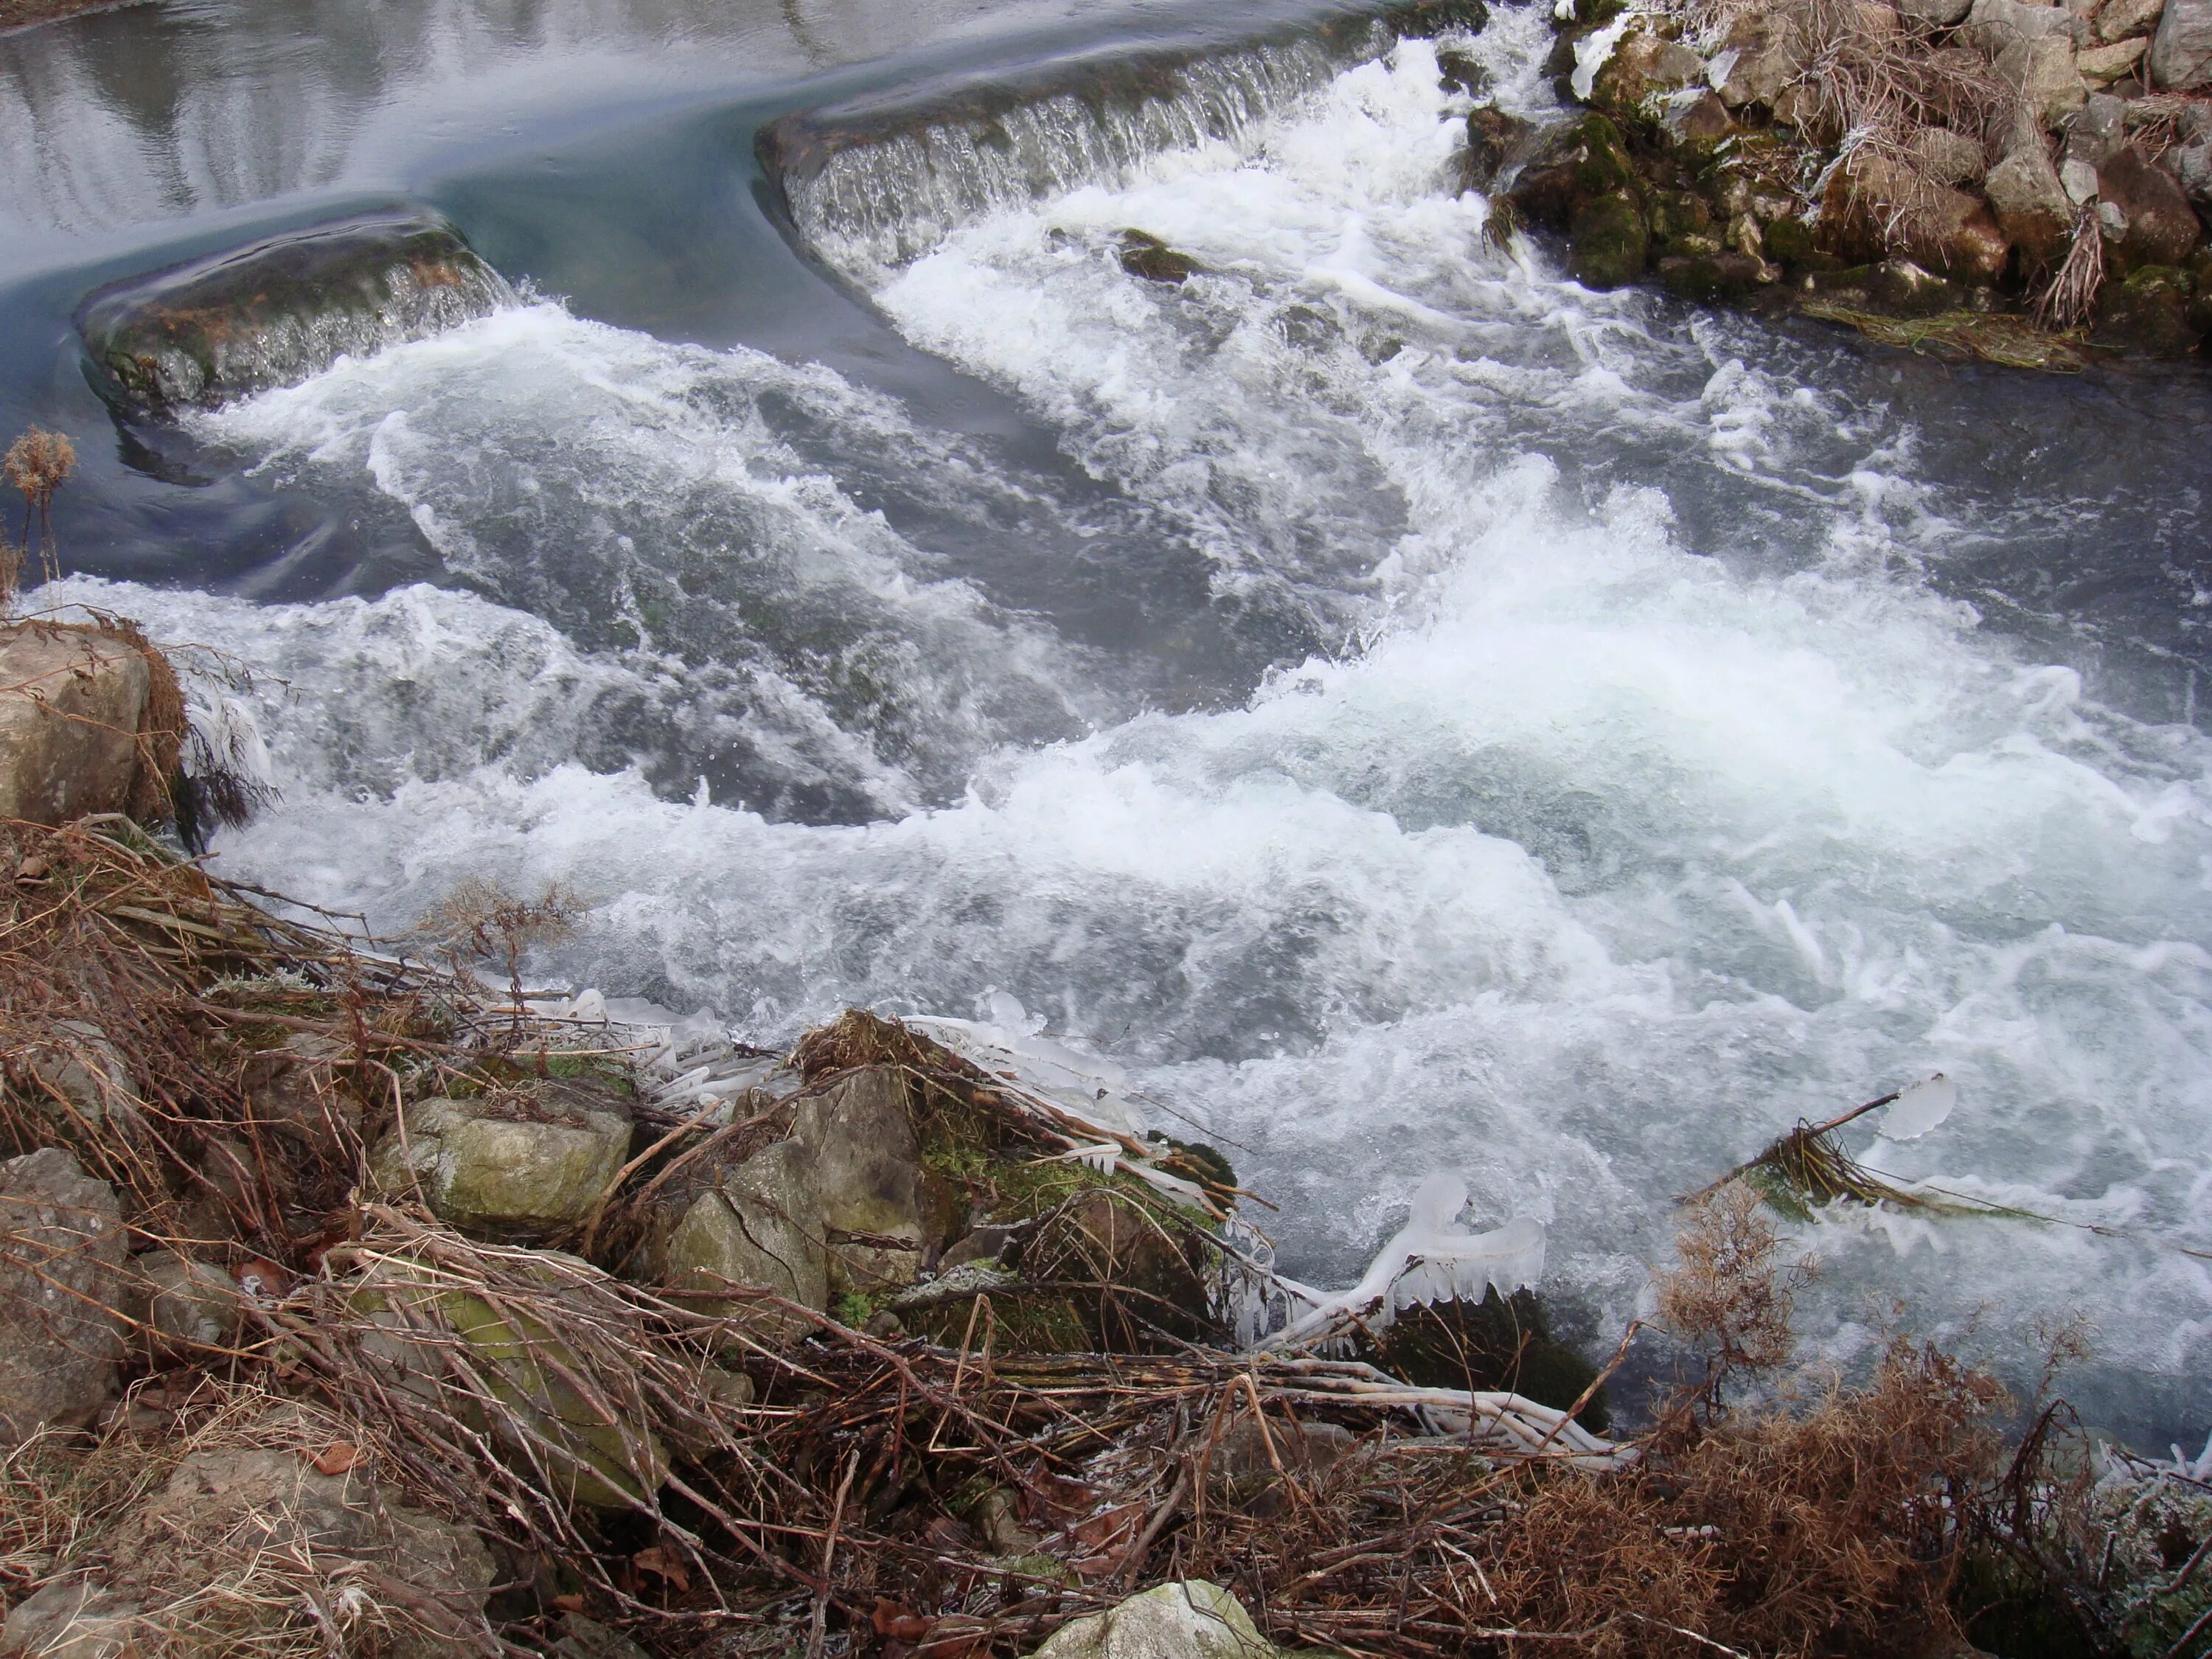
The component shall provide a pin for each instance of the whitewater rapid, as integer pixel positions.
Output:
(1630, 792)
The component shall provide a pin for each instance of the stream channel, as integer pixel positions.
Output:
(1411, 711)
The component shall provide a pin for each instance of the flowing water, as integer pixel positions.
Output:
(1415, 712)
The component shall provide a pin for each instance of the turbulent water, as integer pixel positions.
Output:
(1446, 718)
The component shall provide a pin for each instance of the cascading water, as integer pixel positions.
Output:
(1625, 785)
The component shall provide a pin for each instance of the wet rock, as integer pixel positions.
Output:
(1765, 48)
(1790, 242)
(2041, 71)
(82, 1083)
(1607, 241)
(424, 1324)
(2116, 19)
(1458, 71)
(1422, 19)
(1730, 275)
(61, 1279)
(298, 1090)
(2031, 205)
(1682, 222)
(73, 702)
(1904, 290)
(1494, 139)
(1875, 207)
(2181, 51)
(281, 310)
(180, 1308)
(2160, 226)
(2149, 314)
(1148, 256)
(518, 1161)
(761, 1225)
(2102, 65)
(1190, 1619)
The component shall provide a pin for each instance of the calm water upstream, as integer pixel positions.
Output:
(1416, 711)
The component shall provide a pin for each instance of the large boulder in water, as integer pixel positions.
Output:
(282, 309)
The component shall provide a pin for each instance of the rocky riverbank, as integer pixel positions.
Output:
(2021, 182)
(357, 1303)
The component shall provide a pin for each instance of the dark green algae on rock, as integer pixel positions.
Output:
(279, 310)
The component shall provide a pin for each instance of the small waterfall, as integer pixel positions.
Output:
(870, 186)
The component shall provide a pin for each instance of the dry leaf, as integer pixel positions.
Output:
(665, 1565)
(339, 1456)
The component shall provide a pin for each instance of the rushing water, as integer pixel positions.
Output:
(1415, 712)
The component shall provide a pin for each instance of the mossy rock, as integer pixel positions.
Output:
(1607, 241)
(1498, 1343)
(1146, 256)
(2149, 314)
(520, 1162)
(1576, 163)
(1788, 242)
(525, 1364)
(1709, 277)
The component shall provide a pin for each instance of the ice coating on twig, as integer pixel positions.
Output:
(1919, 1108)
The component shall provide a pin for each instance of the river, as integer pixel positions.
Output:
(1414, 711)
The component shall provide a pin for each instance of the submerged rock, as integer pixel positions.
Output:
(61, 1276)
(282, 309)
(1146, 256)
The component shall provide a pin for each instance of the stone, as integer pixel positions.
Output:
(1763, 51)
(1189, 1618)
(1607, 242)
(1460, 71)
(761, 1225)
(423, 1319)
(73, 706)
(1935, 13)
(2116, 19)
(61, 1282)
(1994, 25)
(2181, 51)
(2149, 314)
(529, 1159)
(867, 1156)
(181, 1309)
(74, 1619)
(1643, 65)
(1572, 163)
(1493, 139)
(282, 309)
(2102, 65)
(1696, 117)
(2161, 227)
(82, 1082)
(1904, 290)
(1146, 256)
(2041, 72)
(2190, 166)
(297, 1088)
(1875, 209)
(1949, 157)
(2030, 203)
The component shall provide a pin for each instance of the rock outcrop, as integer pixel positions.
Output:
(61, 1283)
(273, 314)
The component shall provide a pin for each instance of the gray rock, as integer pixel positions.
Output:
(763, 1226)
(182, 1308)
(82, 1082)
(73, 703)
(587, 1638)
(2102, 65)
(297, 1089)
(1936, 14)
(2041, 70)
(1762, 52)
(2030, 203)
(527, 1160)
(1192, 1618)
(2160, 226)
(1949, 157)
(1993, 25)
(2181, 51)
(867, 1156)
(74, 1619)
(61, 1279)
(2191, 166)
(2119, 19)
